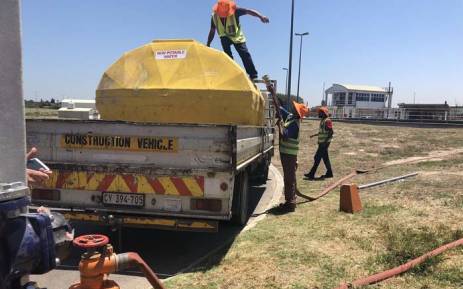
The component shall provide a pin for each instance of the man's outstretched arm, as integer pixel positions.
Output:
(255, 13)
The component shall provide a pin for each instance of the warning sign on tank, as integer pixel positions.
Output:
(170, 54)
(127, 143)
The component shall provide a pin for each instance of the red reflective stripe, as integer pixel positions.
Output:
(130, 182)
(89, 177)
(181, 187)
(62, 176)
(200, 181)
(156, 185)
(106, 182)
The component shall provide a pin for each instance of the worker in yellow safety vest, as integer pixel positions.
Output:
(325, 134)
(289, 148)
(226, 20)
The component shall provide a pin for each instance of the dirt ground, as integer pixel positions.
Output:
(320, 247)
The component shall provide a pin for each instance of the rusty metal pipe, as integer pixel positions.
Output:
(400, 269)
(131, 259)
(387, 181)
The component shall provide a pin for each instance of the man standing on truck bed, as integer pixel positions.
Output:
(289, 147)
(226, 20)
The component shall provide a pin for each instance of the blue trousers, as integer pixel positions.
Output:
(243, 51)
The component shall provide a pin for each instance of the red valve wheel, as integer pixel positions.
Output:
(90, 241)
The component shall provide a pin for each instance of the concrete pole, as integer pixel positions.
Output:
(12, 125)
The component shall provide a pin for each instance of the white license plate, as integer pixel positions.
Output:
(121, 199)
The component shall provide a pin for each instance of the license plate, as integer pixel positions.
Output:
(121, 199)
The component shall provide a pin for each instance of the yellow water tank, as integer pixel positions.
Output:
(178, 81)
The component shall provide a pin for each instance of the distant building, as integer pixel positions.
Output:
(349, 100)
(424, 111)
(358, 96)
(456, 113)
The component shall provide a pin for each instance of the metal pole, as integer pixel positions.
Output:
(300, 58)
(387, 181)
(290, 65)
(324, 100)
(286, 87)
(12, 126)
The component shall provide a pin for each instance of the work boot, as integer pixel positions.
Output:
(309, 176)
(327, 175)
(286, 208)
(291, 207)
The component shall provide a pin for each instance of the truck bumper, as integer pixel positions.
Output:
(173, 224)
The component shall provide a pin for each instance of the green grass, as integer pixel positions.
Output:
(371, 210)
(452, 276)
(320, 247)
(41, 113)
(405, 244)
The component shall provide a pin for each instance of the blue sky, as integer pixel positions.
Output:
(415, 44)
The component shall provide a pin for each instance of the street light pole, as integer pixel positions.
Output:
(300, 58)
(290, 65)
(286, 87)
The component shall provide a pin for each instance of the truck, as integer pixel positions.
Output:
(182, 130)
(167, 176)
(182, 175)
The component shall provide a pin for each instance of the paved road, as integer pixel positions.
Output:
(167, 252)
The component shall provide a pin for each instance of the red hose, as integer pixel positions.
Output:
(131, 259)
(329, 188)
(400, 269)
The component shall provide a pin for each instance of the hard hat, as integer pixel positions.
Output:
(301, 109)
(225, 8)
(323, 109)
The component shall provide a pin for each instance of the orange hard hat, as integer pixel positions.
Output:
(323, 109)
(301, 109)
(225, 8)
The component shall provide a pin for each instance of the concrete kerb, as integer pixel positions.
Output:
(272, 196)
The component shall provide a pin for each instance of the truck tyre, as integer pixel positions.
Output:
(261, 172)
(240, 199)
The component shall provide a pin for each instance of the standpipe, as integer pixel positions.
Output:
(100, 260)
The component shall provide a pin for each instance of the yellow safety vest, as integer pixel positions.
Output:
(231, 29)
(323, 134)
(290, 146)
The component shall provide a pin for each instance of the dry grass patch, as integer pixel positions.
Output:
(41, 113)
(319, 247)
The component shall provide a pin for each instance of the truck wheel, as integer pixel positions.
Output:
(240, 199)
(261, 172)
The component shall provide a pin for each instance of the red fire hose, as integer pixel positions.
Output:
(330, 187)
(131, 259)
(400, 269)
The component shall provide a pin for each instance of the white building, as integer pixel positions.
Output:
(78, 109)
(358, 96)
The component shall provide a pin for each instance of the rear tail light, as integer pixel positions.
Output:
(212, 205)
(46, 194)
(224, 186)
